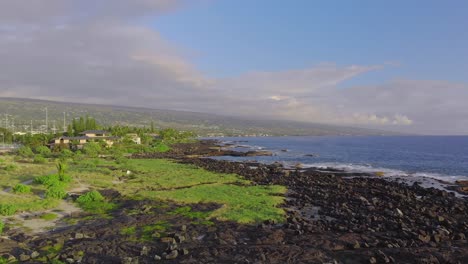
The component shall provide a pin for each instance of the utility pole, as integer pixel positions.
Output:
(64, 123)
(31, 128)
(54, 129)
(47, 120)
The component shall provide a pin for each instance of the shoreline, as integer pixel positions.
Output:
(329, 218)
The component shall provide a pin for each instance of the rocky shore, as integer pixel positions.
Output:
(330, 218)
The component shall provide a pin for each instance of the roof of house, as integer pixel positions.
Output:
(94, 132)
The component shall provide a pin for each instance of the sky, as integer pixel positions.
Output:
(393, 65)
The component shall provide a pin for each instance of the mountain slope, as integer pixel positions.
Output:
(22, 111)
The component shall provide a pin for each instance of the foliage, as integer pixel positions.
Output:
(6, 135)
(89, 197)
(66, 154)
(170, 135)
(82, 124)
(2, 226)
(92, 149)
(25, 152)
(52, 179)
(94, 202)
(36, 140)
(8, 209)
(61, 168)
(21, 188)
(43, 151)
(38, 159)
(56, 191)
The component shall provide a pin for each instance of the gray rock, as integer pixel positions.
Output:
(24, 257)
(172, 255)
(35, 254)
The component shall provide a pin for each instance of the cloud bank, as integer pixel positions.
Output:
(99, 51)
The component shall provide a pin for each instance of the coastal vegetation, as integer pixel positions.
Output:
(38, 180)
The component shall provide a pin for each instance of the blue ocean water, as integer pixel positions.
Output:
(441, 157)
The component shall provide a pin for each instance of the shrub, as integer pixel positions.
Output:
(66, 154)
(43, 150)
(92, 196)
(56, 192)
(94, 202)
(2, 161)
(39, 159)
(61, 168)
(25, 152)
(8, 209)
(92, 149)
(47, 180)
(2, 225)
(21, 188)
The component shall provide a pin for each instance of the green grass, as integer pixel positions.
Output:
(11, 204)
(164, 174)
(244, 204)
(188, 184)
(128, 231)
(49, 216)
(21, 172)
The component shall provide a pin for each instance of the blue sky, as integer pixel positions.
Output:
(229, 37)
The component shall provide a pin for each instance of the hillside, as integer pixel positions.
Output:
(22, 111)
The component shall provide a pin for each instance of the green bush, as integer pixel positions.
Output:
(47, 180)
(25, 152)
(43, 151)
(8, 209)
(53, 179)
(56, 192)
(94, 202)
(21, 188)
(92, 149)
(39, 159)
(2, 225)
(66, 154)
(2, 161)
(92, 196)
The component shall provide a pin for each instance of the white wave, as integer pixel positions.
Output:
(348, 167)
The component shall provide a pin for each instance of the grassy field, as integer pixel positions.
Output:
(238, 199)
(187, 184)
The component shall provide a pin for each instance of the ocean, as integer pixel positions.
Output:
(438, 157)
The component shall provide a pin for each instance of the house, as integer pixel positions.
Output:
(95, 133)
(135, 138)
(85, 137)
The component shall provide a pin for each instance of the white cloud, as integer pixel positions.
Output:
(95, 52)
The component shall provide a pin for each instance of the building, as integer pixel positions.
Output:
(135, 138)
(86, 137)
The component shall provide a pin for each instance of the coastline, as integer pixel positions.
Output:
(330, 217)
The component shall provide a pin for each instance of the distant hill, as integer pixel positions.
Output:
(22, 111)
